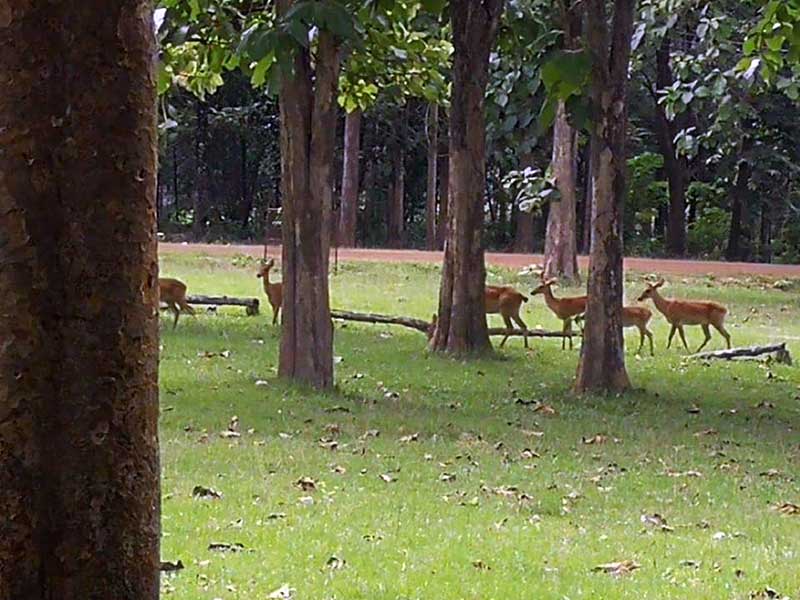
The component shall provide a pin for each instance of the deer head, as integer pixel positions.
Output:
(544, 286)
(265, 268)
(651, 288)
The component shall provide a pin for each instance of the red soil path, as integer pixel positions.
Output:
(515, 261)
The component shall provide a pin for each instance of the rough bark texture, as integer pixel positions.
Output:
(433, 164)
(524, 236)
(462, 319)
(739, 235)
(561, 242)
(348, 213)
(79, 465)
(602, 363)
(307, 107)
(676, 167)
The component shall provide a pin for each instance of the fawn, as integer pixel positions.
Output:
(502, 300)
(688, 312)
(172, 292)
(569, 309)
(274, 291)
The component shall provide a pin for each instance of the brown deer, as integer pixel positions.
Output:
(688, 312)
(569, 309)
(274, 291)
(172, 292)
(503, 300)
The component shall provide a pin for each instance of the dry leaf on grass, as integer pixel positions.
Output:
(787, 508)
(226, 547)
(545, 409)
(706, 432)
(334, 563)
(282, 593)
(204, 493)
(171, 567)
(447, 477)
(388, 477)
(307, 484)
(767, 593)
(328, 444)
(656, 521)
(617, 569)
(480, 565)
(409, 438)
(595, 439)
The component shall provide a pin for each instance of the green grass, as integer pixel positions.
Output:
(423, 537)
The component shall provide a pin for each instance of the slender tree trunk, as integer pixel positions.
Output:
(588, 203)
(738, 239)
(765, 239)
(175, 188)
(676, 167)
(461, 325)
(246, 199)
(602, 363)
(433, 163)
(561, 244)
(444, 199)
(524, 237)
(395, 217)
(201, 191)
(79, 464)
(308, 107)
(348, 214)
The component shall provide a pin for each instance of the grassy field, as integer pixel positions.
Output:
(427, 478)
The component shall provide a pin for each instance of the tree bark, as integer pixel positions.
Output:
(201, 191)
(444, 199)
(602, 362)
(561, 244)
(588, 202)
(348, 214)
(433, 163)
(524, 237)
(739, 237)
(395, 217)
(462, 325)
(79, 463)
(676, 167)
(307, 108)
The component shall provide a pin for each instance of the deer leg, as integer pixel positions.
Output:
(650, 338)
(707, 333)
(724, 333)
(521, 323)
(176, 310)
(568, 329)
(671, 335)
(275, 310)
(509, 325)
(683, 337)
(641, 340)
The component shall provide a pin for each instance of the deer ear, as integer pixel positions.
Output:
(660, 283)
(551, 281)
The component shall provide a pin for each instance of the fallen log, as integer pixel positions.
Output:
(423, 326)
(250, 304)
(779, 351)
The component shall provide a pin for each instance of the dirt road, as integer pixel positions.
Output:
(515, 261)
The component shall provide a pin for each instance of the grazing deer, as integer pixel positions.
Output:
(172, 292)
(569, 309)
(565, 309)
(686, 312)
(274, 291)
(502, 300)
(506, 301)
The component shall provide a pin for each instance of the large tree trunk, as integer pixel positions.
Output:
(561, 243)
(79, 463)
(524, 236)
(602, 363)
(348, 213)
(676, 167)
(202, 181)
(739, 234)
(433, 163)
(461, 325)
(308, 107)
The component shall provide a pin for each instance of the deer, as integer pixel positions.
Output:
(688, 312)
(274, 291)
(499, 299)
(172, 292)
(569, 309)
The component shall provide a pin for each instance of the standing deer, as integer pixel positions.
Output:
(569, 309)
(506, 301)
(172, 292)
(688, 312)
(274, 291)
(502, 300)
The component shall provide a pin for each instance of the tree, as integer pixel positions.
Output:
(433, 167)
(461, 325)
(561, 241)
(79, 462)
(348, 211)
(602, 362)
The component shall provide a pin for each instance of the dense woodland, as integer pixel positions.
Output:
(712, 155)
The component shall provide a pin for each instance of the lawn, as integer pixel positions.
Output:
(429, 478)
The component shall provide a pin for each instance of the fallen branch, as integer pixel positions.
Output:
(251, 304)
(780, 352)
(424, 326)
